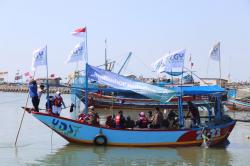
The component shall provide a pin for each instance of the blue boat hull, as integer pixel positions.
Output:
(76, 132)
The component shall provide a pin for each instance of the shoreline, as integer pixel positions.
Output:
(24, 89)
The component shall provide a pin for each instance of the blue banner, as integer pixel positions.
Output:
(120, 82)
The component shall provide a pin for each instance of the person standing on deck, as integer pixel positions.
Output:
(41, 90)
(57, 104)
(194, 113)
(33, 94)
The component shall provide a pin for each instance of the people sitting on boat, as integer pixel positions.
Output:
(82, 117)
(110, 122)
(57, 104)
(142, 122)
(194, 113)
(129, 123)
(157, 118)
(172, 120)
(150, 119)
(33, 94)
(120, 120)
(92, 117)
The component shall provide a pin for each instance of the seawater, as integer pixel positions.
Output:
(38, 145)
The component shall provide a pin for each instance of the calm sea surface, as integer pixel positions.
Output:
(37, 145)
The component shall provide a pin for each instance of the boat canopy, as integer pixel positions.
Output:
(174, 73)
(120, 82)
(199, 90)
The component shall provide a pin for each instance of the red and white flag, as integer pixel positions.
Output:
(80, 32)
(27, 74)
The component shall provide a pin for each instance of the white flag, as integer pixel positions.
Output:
(215, 52)
(77, 53)
(39, 58)
(167, 62)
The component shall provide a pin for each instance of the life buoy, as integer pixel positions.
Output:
(100, 139)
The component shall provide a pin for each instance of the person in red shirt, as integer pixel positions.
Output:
(120, 120)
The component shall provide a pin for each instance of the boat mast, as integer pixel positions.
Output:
(106, 61)
(180, 103)
(129, 55)
(86, 76)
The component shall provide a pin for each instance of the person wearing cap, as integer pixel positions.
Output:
(57, 104)
(142, 121)
(33, 94)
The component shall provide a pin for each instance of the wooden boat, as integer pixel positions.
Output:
(76, 132)
(117, 102)
(238, 104)
(213, 131)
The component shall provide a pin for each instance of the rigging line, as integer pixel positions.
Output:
(148, 67)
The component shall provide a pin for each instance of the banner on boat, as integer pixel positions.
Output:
(172, 60)
(120, 82)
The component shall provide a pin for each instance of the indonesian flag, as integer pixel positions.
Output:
(80, 32)
(27, 74)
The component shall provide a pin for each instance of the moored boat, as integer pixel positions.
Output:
(238, 105)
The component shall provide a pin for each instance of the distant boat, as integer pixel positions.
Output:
(238, 104)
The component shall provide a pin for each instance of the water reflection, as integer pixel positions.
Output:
(92, 155)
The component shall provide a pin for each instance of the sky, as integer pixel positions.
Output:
(148, 28)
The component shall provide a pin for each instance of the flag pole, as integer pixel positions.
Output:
(220, 64)
(86, 75)
(27, 99)
(76, 75)
(47, 80)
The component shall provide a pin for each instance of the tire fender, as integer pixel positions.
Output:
(100, 140)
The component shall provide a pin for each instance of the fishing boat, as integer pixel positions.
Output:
(118, 102)
(238, 104)
(213, 131)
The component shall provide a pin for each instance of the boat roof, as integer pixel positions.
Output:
(199, 90)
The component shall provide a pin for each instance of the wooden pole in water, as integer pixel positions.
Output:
(27, 99)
